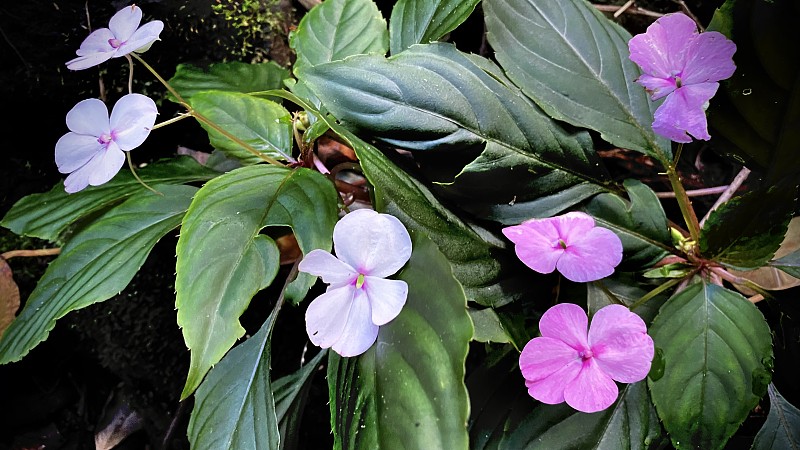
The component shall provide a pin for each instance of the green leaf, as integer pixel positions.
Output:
(48, 215)
(781, 431)
(789, 264)
(234, 408)
(336, 29)
(717, 349)
(754, 115)
(624, 288)
(96, 264)
(262, 124)
(488, 327)
(407, 390)
(433, 97)
(745, 232)
(573, 62)
(290, 394)
(479, 260)
(223, 260)
(233, 76)
(640, 223)
(424, 21)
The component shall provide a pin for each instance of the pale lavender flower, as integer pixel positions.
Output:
(570, 243)
(567, 364)
(92, 152)
(685, 66)
(369, 247)
(123, 36)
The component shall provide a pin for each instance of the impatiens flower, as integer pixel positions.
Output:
(92, 152)
(122, 36)
(567, 364)
(570, 243)
(685, 66)
(369, 247)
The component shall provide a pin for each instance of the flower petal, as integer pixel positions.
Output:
(547, 365)
(359, 333)
(89, 117)
(327, 315)
(132, 119)
(591, 256)
(334, 272)
(572, 226)
(74, 150)
(84, 62)
(709, 58)
(94, 50)
(536, 244)
(620, 344)
(125, 22)
(143, 38)
(592, 390)
(657, 87)
(661, 50)
(682, 115)
(386, 297)
(105, 165)
(568, 323)
(372, 243)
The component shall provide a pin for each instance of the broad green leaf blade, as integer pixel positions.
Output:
(234, 408)
(48, 215)
(478, 260)
(262, 124)
(407, 390)
(231, 76)
(96, 264)
(625, 288)
(640, 223)
(424, 21)
(781, 431)
(336, 29)
(789, 264)
(433, 97)
(573, 62)
(488, 327)
(290, 394)
(745, 232)
(223, 260)
(717, 349)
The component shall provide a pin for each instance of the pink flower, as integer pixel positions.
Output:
(685, 66)
(92, 152)
(369, 247)
(567, 364)
(122, 36)
(570, 243)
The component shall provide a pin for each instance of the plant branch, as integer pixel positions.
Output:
(39, 252)
(728, 193)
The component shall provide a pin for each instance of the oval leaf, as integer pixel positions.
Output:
(424, 21)
(231, 76)
(781, 431)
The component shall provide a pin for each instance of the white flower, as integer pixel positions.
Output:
(369, 247)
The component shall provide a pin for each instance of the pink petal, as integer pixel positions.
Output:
(709, 58)
(592, 390)
(591, 256)
(536, 244)
(682, 115)
(372, 243)
(550, 388)
(661, 50)
(543, 356)
(386, 297)
(132, 119)
(359, 333)
(327, 315)
(334, 272)
(566, 322)
(96, 42)
(105, 165)
(620, 344)
(74, 150)
(657, 87)
(143, 38)
(89, 117)
(125, 22)
(84, 62)
(572, 226)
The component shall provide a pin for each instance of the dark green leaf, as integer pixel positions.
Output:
(573, 61)
(336, 29)
(231, 76)
(291, 393)
(424, 21)
(789, 264)
(262, 124)
(717, 350)
(47, 215)
(745, 232)
(488, 327)
(626, 289)
(781, 431)
(223, 260)
(407, 391)
(96, 264)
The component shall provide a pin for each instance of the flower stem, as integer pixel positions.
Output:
(654, 292)
(684, 203)
(135, 175)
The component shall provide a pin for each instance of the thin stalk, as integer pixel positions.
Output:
(173, 120)
(684, 203)
(646, 297)
(135, 175)
(30, 253)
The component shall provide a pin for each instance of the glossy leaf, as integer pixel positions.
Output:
(488, 327)
(262, 124)
(717, 350)
(777, 274)
(335, 29)
(48, 215)
(291, 392)
(223, 259)
(639, 221)
(789, 264)
(407, 390)
(233, 76)
(424, 21)
(781, 431)
(573, 61)
(96, 264)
